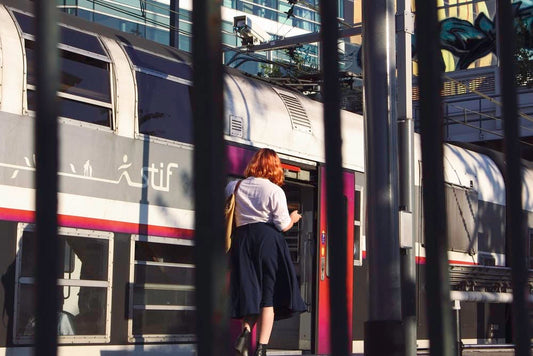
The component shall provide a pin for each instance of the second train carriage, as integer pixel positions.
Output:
(125, 201)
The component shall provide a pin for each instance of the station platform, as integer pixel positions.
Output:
(466, 352)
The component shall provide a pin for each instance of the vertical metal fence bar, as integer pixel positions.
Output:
(174, 24)
(334, 180)
(439, 313)
(515, 229)
(209, 163)
(46, 151)
(384, 334)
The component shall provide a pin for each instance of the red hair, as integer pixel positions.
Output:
(265, 164)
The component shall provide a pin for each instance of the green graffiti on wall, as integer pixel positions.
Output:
(470, 41)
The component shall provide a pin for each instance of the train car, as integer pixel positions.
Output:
(126, 216)
(125, 198)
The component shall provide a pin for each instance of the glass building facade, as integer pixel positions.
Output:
(151, 19)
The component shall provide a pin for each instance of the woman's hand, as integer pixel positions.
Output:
(295, 217)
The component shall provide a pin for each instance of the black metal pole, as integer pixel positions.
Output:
(514, 227)
(404, 64)
(336, 220)
(209, 164)
(438, 305)
(384, 333)
(174, 40)
(458, 341)
(46, 151)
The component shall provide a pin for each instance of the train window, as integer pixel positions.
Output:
(164, 108)
(292, 236)
(75, 109)
(67, 36)
(166, 115)
(80, 75)
(26, 23)
(162, 306)
(530, 242)
(357, 231)
(149, 61)
(461, 215)
(85, 82)
(83, 283)
(81, 40)
(85, 88)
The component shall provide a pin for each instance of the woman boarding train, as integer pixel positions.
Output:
(263, 284)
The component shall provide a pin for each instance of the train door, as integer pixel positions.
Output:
(300, 188)
(323, 319)
(302, 191)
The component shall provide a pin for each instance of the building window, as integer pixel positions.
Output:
(162, 304)
(84, 285)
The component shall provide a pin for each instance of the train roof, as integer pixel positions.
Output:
(499, 160)
(265, 114)
(473, 167)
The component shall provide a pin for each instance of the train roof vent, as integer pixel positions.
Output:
(236, 126)
(299, 119)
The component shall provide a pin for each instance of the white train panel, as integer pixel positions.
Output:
(527, 189)
(467, 169)
(124, 83)
(471, 169)
(11, 65)
(98, 213)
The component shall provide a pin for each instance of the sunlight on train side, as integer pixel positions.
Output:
(124, 89)
(85, 87)
(527, 189)
(471, 169)
(11, 65)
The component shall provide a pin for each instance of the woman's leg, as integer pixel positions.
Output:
(266, 322)
(243, 341)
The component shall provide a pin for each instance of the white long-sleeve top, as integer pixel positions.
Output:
(259, 200)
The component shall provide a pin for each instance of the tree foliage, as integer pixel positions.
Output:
(524, 55)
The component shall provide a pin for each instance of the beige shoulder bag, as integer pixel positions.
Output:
(229, 213)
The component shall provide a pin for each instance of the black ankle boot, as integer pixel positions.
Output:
(261, 350)
(242, 342)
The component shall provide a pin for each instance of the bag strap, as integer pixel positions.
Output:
(235, 191)
(237, 186)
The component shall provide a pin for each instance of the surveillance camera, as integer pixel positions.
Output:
(249, 35)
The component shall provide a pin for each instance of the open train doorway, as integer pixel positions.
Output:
(296, 332)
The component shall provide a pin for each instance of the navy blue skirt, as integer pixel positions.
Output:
(262, 273)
